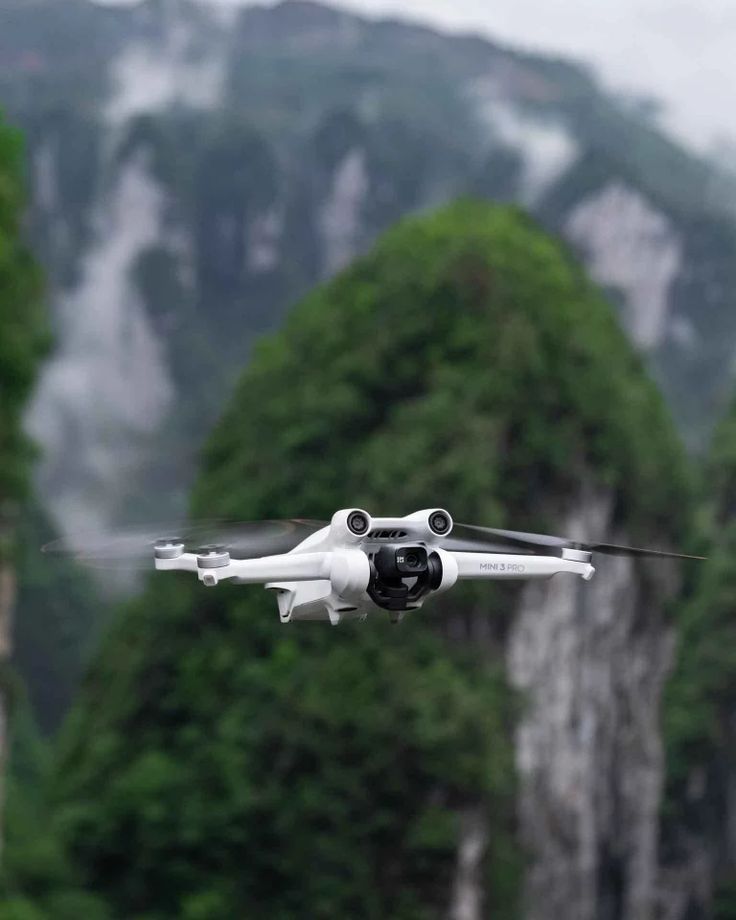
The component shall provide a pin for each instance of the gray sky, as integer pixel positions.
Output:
(682, 51)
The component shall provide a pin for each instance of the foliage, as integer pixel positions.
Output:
(701, 694)
(59, 616)
(222, 765)
(724, 905)
(23, 332)
(465, 338)
(37, 880)
(250, 772)
(703, 687)
(48, 650)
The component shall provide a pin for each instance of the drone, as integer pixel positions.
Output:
(356, 564)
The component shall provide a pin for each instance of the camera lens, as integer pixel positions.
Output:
(410, 560)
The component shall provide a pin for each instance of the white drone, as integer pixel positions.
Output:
(356, 564)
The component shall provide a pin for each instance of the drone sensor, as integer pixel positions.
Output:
(440, 523)
(358, 523)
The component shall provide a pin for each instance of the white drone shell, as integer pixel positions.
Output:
(332, 574)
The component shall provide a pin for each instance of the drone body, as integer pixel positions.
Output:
(357, 564)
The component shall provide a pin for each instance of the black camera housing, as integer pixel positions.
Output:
(393, 566)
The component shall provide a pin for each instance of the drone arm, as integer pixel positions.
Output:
(287, 567)
(186, 562)
(497, 565)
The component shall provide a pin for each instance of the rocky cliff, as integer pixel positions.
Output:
(589, 751)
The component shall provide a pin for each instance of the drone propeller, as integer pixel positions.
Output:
(132, 548)
(457, 543)
(472, 538)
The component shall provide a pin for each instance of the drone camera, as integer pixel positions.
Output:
(403, 575)
(411, 560)
(396, 562)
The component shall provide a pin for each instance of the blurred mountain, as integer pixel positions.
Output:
(219, 764)
(195, 170)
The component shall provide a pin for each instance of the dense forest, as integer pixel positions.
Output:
(24, 334)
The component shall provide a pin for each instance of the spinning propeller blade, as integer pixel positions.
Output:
(132, 547)
(456, 543)
(472, 538)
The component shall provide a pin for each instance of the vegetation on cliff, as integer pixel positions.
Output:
(698, 717)
(36, 881)
(219, 764)
(23, 334)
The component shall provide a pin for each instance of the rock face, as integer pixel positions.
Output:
(634, 248)
(591, 661)
(108, 388)
(468, 891)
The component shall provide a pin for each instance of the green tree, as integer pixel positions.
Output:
(46, 637)
(701, 695)
(36, 880)
(221, 765)
(22, 341)
(23, 333)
